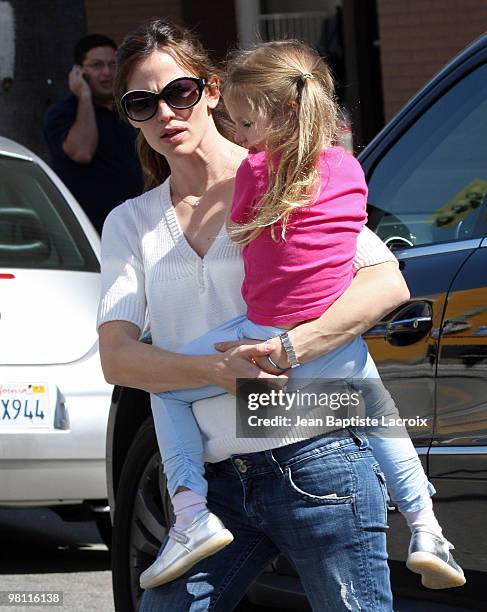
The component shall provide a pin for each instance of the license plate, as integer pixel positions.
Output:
(24, 405)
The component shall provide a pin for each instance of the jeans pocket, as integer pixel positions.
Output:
(383, 486)
(314, 482)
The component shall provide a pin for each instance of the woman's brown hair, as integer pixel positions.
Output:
(186, 49)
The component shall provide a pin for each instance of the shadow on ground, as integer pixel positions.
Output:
(37, 541)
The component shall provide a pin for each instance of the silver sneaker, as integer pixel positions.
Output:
(205, 536)
(430, 556)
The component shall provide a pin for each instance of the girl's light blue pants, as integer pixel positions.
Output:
(181, 444)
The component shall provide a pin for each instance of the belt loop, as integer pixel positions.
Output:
(269, 455)
(359, 437)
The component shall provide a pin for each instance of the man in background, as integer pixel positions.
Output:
(92, 149)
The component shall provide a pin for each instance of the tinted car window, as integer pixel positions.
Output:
(37, 227)
(431, 186)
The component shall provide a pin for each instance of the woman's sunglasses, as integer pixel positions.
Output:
(185, 92)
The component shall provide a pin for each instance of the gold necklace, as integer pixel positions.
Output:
(197, 202)
(185, 200)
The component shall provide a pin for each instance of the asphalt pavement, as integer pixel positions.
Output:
(40, 552)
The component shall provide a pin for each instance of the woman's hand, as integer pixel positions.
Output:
(243, 359)
(271, 347)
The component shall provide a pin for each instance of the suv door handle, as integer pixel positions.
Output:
(411, 324)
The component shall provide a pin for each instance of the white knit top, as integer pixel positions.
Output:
(150, 272)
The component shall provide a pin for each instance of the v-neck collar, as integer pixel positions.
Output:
(177, 233)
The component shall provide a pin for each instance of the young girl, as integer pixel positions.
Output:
(298, 207)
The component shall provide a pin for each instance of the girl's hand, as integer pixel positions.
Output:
(243, 359)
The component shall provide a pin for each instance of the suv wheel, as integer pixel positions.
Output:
(141, 518)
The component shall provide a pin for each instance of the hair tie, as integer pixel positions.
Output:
(306, 75)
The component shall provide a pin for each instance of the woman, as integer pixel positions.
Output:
(320, 501)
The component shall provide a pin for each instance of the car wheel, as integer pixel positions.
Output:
(141, 518)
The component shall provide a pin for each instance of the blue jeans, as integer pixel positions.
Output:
(181, 444)
(320, 502)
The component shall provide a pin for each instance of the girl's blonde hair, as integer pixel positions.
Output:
(290, 87)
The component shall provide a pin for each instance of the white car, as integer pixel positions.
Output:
(54, 400)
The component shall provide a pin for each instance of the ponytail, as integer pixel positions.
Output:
(291, 88)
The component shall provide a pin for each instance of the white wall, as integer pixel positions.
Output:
(248, 11)
(298, 6)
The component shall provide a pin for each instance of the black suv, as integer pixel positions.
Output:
(427, 176)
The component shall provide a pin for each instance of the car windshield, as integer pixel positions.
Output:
(38, 229)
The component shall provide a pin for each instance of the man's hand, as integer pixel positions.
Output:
(78, 84)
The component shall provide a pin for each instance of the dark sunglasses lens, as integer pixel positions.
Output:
(139, 105)
(184, 93)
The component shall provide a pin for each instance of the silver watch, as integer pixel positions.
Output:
(289, 348)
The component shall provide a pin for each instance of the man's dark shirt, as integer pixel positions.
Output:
(114, 173)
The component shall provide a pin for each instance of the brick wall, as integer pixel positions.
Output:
(115, 18)
(418, 37)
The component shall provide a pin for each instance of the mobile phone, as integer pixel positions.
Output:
(85, 76)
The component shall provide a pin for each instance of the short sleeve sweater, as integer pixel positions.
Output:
(150, 271)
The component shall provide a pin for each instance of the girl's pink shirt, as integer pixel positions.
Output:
(296, 279)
